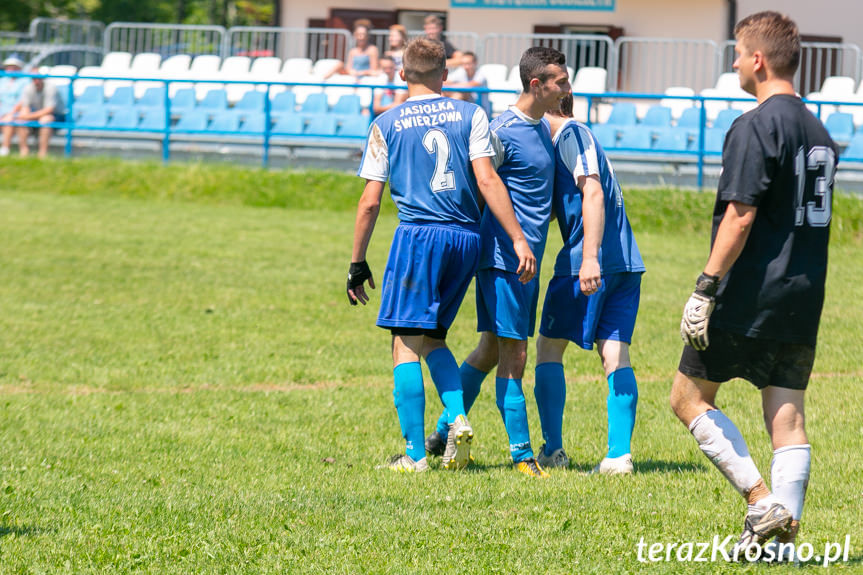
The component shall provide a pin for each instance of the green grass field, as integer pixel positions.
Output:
(184, 389)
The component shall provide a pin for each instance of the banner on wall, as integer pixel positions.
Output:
(606, 5)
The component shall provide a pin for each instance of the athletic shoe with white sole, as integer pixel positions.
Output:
(615, 465)
(405, 464)
(435, 444)
(531, 468)
(459, 438)
(759, 526)
(558, 458)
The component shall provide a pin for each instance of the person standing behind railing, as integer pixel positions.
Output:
(40, 102)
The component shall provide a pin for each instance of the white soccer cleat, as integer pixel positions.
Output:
(615, 465)
(759, 526)
(405, 464)
(459, 438)
(558, 458)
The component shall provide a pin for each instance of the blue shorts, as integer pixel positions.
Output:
(428, 272)
(504, 305)
(608, 314)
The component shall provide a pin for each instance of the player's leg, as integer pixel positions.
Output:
(409, 397)
(621, 405)
(445, 374)
(550, 393)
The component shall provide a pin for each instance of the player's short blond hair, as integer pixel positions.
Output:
(776, 36)
(424, 61)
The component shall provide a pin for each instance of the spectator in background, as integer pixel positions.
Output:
(468, 76)
(397, 41)
(433, 28)
(362, 59)
(386, 98)
(40, 102)
(10, 87)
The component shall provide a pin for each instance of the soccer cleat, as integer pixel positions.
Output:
(615, 465)
(780, 552)
(405, 464)
(435, 444)
(759, 526)
(558, 458)
(531, 468)
(459, 438)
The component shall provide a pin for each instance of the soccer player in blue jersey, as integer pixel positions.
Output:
(506, 308)
(594, 294)
(436, 154)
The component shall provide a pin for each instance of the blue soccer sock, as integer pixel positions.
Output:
(622, 401)
(550, 394)
(511, 404)
(445, 375)
(471, 383)
(410, 403)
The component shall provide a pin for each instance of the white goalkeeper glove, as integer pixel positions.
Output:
(696, 313)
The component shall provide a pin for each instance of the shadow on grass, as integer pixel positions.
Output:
(18, 531)
(651, 466)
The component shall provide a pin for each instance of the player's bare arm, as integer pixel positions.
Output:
(497, 199)
(593, 214)
(367, 215)
(730, 238)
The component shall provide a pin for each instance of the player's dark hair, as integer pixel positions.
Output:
(534, 62)
(424, 61)
(776, 35)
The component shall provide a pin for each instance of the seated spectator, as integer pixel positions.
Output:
(398, 40)
(10, 88)
(40, 102)
(467, 76)
(433, 28)
(387, 98)
(362, 59)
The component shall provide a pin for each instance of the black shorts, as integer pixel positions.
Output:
(438, 333)
(761, 362)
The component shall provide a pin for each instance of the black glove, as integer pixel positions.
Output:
(358, 273)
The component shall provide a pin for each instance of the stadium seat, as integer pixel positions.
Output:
(63, 70)
(92, 97)
(657, 116)
(250, 103)
(215, 101)
(840, 126)
(321, 125)
(192, 121)
(145, 65)
(678, 107)
(153, 98)
(253, 124)
(335, 92)
(86, 78)
(284, 103)
(183, 100)
(354, 127)
(123, 119)
(224, 123)
(315, 104)
(303, 92)
(347, 105)
(713, 140)
(236, 69)
(622, 114)
(123, 97)
(297, 67)
(265, 69)
(590, 80)
(93, 118)
(205, 67)
(153, 120)
(834, 88)
(606, 135)
(671, 139)
(116, 63)
(495, 74)
(176, 66)
(725, 118)
(690, 118)
(324, 66)
(636, 138)
(854, 151)
(288, 124)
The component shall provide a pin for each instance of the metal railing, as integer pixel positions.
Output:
(653, 64)
(284, 43)
(164, 39)
(581, 50)
(59, 31)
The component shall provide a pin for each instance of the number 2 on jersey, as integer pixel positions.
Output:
(436, 142)
(822, 162)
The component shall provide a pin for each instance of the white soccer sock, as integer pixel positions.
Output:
(789, 476)
(721, 442)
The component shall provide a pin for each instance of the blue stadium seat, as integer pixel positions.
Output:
(225, 123)
(215, 101)
(840, 126)
(315, 104)
(93, 118)
(657, 116)
(725, 118)
(347, 105)
(154, 97)
(183, 100)
(124, 119)
(622, 114)
(713, 140)
(192, 121)
(289, 124)
(354, 126)
(123, 97)
(253, 124)
(606, 135)
(671, 139)
(690, 118)
(636, 138)
(251, 103)
(153, 120)
(854, 151)
(321, 125)
(284, 103)
(92, 97)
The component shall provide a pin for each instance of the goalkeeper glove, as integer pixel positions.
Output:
(358, 273)
(696, 313)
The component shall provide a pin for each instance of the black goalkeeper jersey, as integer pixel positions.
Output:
(779, 158)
